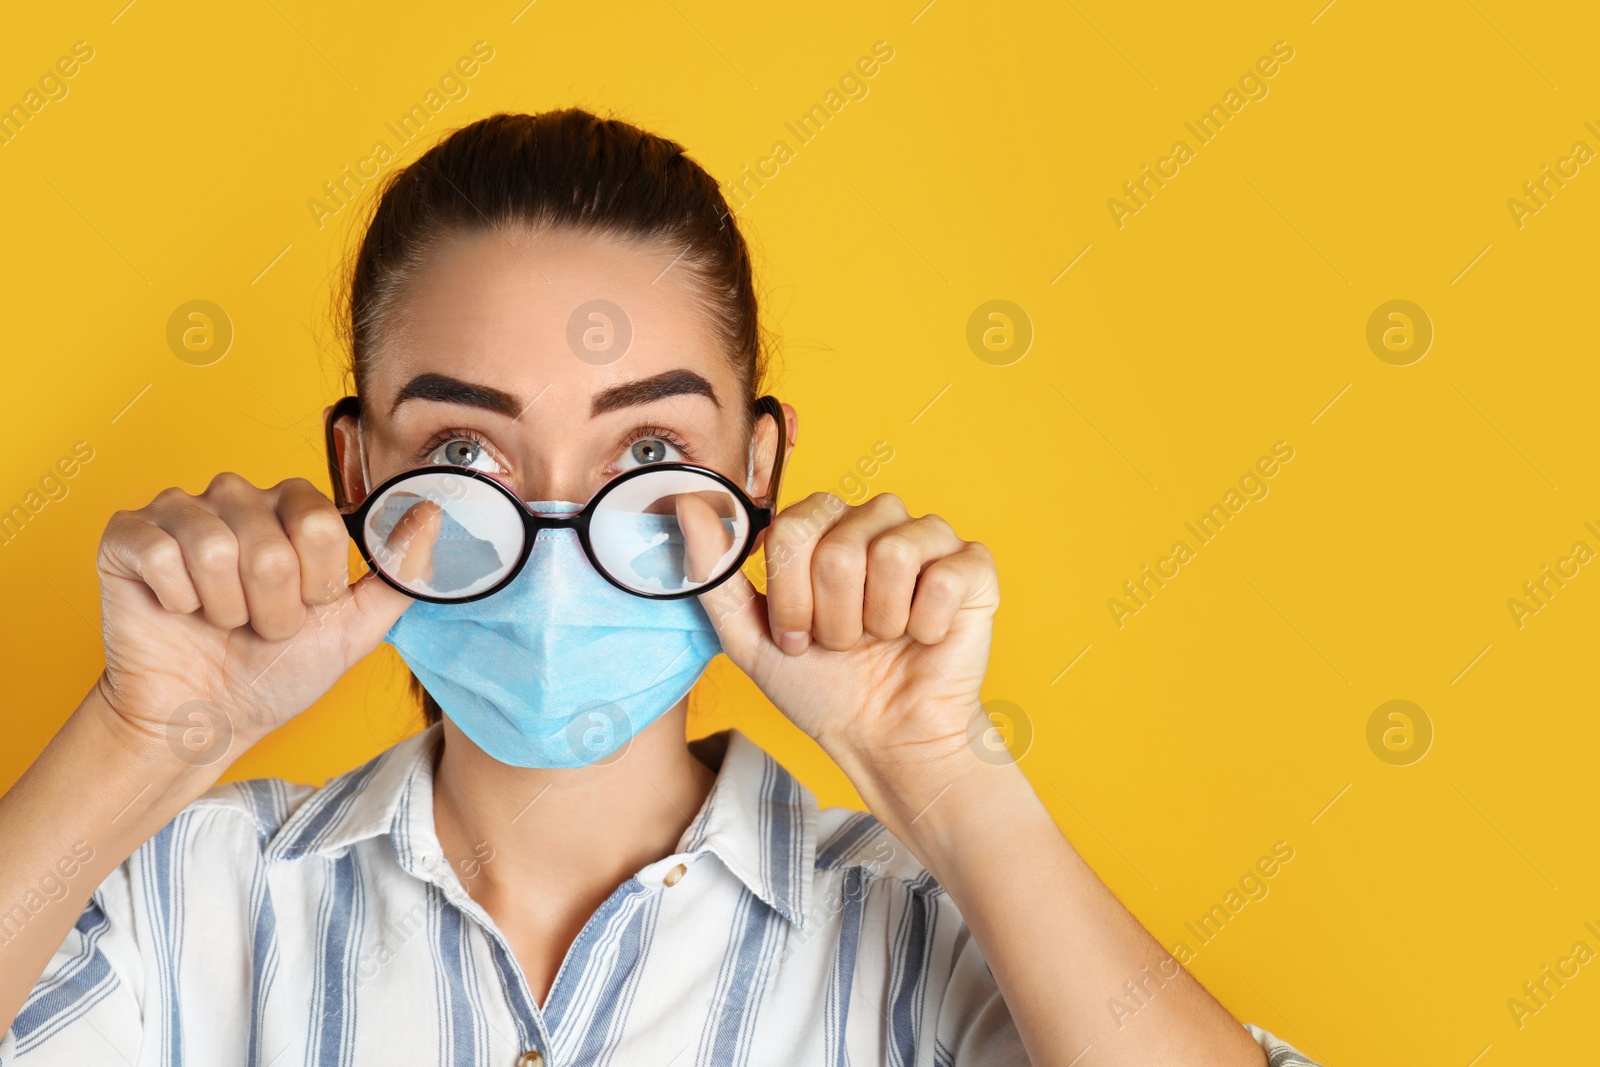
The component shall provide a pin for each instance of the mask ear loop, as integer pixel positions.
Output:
(361, 448)
(749, 466)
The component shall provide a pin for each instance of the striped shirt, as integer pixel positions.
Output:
(272, 923)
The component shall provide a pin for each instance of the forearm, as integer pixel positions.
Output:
(95, 794)
(1060, 945)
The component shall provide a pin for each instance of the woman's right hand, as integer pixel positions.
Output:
(228, 613)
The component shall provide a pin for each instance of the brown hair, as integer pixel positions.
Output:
(565, 169)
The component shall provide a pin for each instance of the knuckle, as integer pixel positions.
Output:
(791, 530)
(823, 502)
(892, 550)
(273, 561)
(783, 532)
(321, 528)
(163, 558)
(890, 502)
(941, 584)
(835, 562)
(227, 483)
(216, 552)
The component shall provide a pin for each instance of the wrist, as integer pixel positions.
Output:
(942, 806)
(151, 757)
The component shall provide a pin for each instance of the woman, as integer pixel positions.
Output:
(557, 309)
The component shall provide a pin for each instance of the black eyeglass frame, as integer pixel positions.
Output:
(759, 510)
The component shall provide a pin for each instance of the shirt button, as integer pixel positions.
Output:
(531, 1058)
(674, 875)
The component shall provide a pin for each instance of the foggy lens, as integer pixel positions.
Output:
(668, 531)
(444, 535)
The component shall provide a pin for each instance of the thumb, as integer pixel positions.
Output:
(358, 620)
(739, 614)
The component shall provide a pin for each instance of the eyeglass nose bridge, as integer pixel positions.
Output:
(537, 522)
(544, 520)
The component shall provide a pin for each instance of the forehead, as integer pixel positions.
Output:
(529, 309)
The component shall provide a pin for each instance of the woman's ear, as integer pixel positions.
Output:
(346, 458)
(766, 449)
(791, 428)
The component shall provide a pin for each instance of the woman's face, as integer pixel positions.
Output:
(490, 361)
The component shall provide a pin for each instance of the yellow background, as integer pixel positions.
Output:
(1226, 315)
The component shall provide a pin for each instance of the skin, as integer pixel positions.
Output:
(873, 637)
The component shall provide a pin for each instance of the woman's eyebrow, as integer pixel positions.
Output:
(448, 390)
(657, 387)
(444, 389)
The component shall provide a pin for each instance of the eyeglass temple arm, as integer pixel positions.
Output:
(769, 405)
(349, 405)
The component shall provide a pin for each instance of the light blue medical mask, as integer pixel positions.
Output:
(560, 668)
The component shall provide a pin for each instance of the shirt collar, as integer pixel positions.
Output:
(374, 798)
(760, 822)
(758, 819)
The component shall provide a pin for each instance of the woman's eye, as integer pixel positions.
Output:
(464, 452)
(649, 450)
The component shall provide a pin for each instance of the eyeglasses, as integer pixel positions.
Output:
(449, 535)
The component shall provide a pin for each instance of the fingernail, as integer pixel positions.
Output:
(794, 642)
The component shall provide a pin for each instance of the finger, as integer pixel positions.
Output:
(791, 539)
(133, 548)
(361, 617)
(210, 555)
(269, 567)
(406, 554)
(839, 570)
(739, 615)
(706, 540)
(945, 586)
(319, 537)
(894, 560)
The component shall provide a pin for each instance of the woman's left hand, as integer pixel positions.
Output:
(873, 635)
